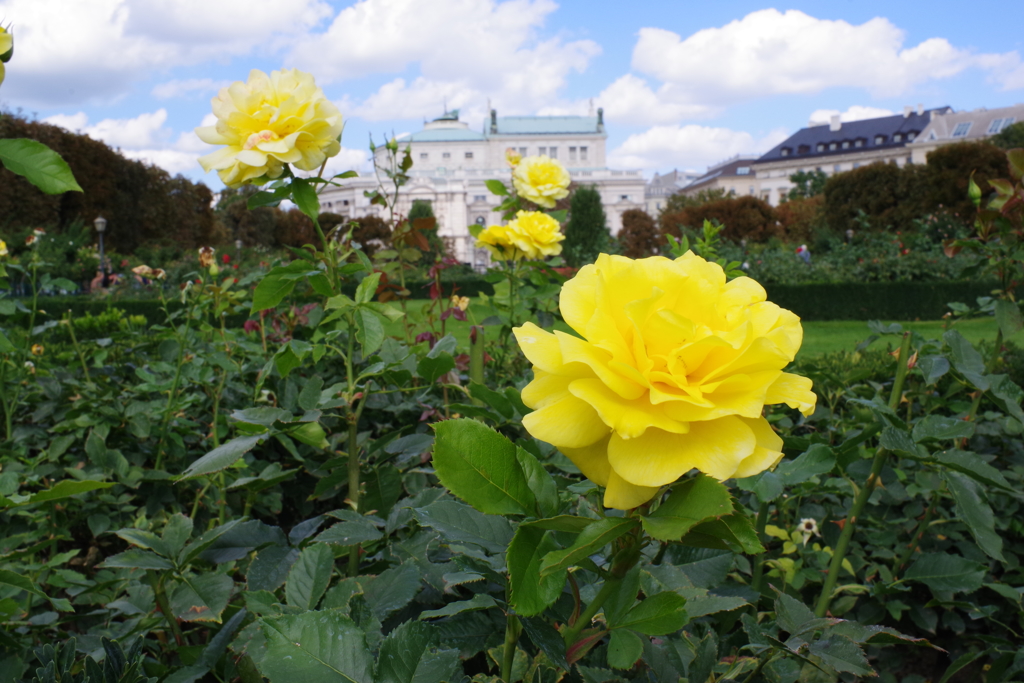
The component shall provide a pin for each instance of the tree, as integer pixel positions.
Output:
(880, 193)
(1010, 137)
(639, 236)
(950, 168)
(744, 217)
(808, 184)
(680, 201)
(421, 208)
(586, 233)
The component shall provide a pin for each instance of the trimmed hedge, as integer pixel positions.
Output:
(822, 301)
(875, 300)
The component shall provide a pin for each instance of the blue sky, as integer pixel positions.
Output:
(683, 84)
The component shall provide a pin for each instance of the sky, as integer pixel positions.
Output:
(683, 84)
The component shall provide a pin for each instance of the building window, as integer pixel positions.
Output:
(446, 155)
(553, 152)
(751, 189)
(879, 139)
(858, 143)
(908, 161)
(856, 164)
(344, 202)
(836, 169)
(803, 149)
(833, 146)
(999, 124)
(583, 153)
(522, 151)
(846, 144)
(897, 137)
(962, 129)
(572, 154)
(784, 151)
(743, 170)
(543, 151)
(911, 135)
(424, 156)
(469, 155)
(821, 146)
(480, 198)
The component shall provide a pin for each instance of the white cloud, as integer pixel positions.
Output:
(630, 101)
(769, 52)
(856, 112)
(690, 146)
(467, 51)
(74, 52)
(187, 87)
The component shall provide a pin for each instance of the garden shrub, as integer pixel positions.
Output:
(749, 218)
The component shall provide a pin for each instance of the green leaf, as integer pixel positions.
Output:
(350, 533)
(974, 467)
(392, 589)
(304, 195)
(383, 489)
(657, 615)
(367, 288)
(438, 360)
(340, 301)
(733, 532)
(496, 187)
(176, 533)
(458, 523)
(309, 576)
(590, 541)
(5, 344)
(268, 198)
(1007, 395)
(202, 597)
(270, 568)
(406, 656)
(241, 539)
(795, 618)
(842, 655)
(624, 649)
(39, 165)
(543, 486)
(933, 368)
(479, 601)
(66, 489)
(898, 441)
(369, 331)
(315, 647)
(966, 359)
(818, 459)
(944, 572)
(279, 283)
(1008, 317)
(943, 428)
(222, 457)
(532, 593)
(20, 582)
(480, 466)
(134, 558)
(974, 511)
(561, 523)
(690, 503)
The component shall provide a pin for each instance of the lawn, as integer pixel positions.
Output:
(819, 337)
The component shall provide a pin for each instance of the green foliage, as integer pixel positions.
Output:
(639, 236)
(586, 233)
(1011, 137)
(680, 201)
(742, 218)
(807, 184)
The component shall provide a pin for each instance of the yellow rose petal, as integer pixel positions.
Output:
(621, 495)
(794, 391)
(767, 453)
(568, 422)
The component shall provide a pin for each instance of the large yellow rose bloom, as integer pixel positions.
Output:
(535, 234)
(670, 372)
(497, 240)
(267, 123)
(6, 50)
(3, 248)
(541, 180)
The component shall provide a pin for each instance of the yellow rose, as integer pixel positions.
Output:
(267, 123)
(497, 240)
(512, 157)
(3, 248)
(38, 350)
(541, 180)
(6, 45)
(535, 234)
(672, 372)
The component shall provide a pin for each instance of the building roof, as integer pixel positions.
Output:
(815, 142)
(738, 166)
(982, 122)
(547, 125)
(443, 135)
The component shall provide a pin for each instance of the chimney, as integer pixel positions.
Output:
(920, 109)
(907, 111)
(494, 120)
(600, 119)
(834, 123)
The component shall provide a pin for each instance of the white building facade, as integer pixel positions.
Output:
(451, 164)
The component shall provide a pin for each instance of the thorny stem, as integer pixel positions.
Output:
(572, 633)
(165, 606)
(865, 492)
(762, 522)
(512, 631)
(919, 533)
(78, 349)
(172, 397)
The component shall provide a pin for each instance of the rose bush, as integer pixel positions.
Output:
(531, 235)
(269, 122)
(671, 372)
(541, 180)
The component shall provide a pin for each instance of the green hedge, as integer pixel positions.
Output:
(823, 301)
(875, 300)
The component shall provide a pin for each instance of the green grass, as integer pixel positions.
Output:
(819, 337)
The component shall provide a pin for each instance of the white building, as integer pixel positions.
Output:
(661, 187)
(452, 162)
(960, 126)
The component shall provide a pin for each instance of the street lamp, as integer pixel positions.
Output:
(101, 227)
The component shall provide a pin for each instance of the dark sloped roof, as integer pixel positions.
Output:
(733, 168)
(804, 143)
